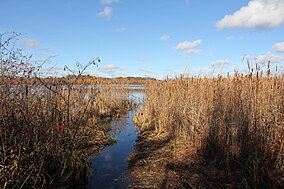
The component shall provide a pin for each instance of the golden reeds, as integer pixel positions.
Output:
(235, 122)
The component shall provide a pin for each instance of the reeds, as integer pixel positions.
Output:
(236, 122)
(45, 130)
(42, 133)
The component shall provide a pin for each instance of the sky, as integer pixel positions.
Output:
(148, 38)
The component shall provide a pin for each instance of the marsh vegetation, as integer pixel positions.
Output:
(195, 132)
(48, 131)
(212, 133)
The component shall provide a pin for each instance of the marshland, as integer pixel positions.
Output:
(49, 131)
(115, 94)
(194, 132)
(212, 133)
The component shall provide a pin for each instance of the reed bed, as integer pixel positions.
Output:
(49, 126)
(235, 123)
(44, 133)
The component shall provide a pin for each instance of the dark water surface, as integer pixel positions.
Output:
(110, 167)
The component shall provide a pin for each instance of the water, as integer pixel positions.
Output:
(110, 168)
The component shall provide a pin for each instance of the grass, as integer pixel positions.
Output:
(235, 124)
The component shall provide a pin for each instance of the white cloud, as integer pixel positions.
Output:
(230, 37)
(265, 58)
(220, 63)
(189, 48)
(234, 38)
(186, 45)
(278, 47)
(41, 60)
(31, 43)
(148, 73)
(190, 52)
(110, 68)
(142, 59)
(48, 51)
(106, 13)
(187, 2)
(121, 29)
(50, 71)
(164, 37)
(108, 2)
(258, 14)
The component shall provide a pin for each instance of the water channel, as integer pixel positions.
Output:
(110, 168)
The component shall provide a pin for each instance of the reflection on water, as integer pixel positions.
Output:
(110, 168)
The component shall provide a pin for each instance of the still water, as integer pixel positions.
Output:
(110, 167)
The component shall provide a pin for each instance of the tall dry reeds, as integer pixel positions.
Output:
(236, 122)
(42, 133)
(44, 128)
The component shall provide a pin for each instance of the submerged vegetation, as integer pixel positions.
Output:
(212, 133)
(111, 140)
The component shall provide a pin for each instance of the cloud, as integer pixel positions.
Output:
(186, 45)
(106, 13)
(148, 73)
(189, 48)
(48, 51)
(278, 47)
(121, 29)
(36, 45)
(31, 43)
(265, 58)
(41, 60)
(108, 2)
(142, 59)
(230, 37)
(110, 68)
(220, 63)
(258, 14)
(190, 52)
(164, 37)
(234, 38)
(50, 71)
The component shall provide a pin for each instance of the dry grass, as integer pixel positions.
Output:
(46, 131)
(43, 133)
(235, 124)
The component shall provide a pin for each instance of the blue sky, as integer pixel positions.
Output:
(148, 37)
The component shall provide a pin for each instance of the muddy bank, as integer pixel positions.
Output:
(161, 162)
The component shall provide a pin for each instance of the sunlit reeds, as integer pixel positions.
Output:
(235, 122)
